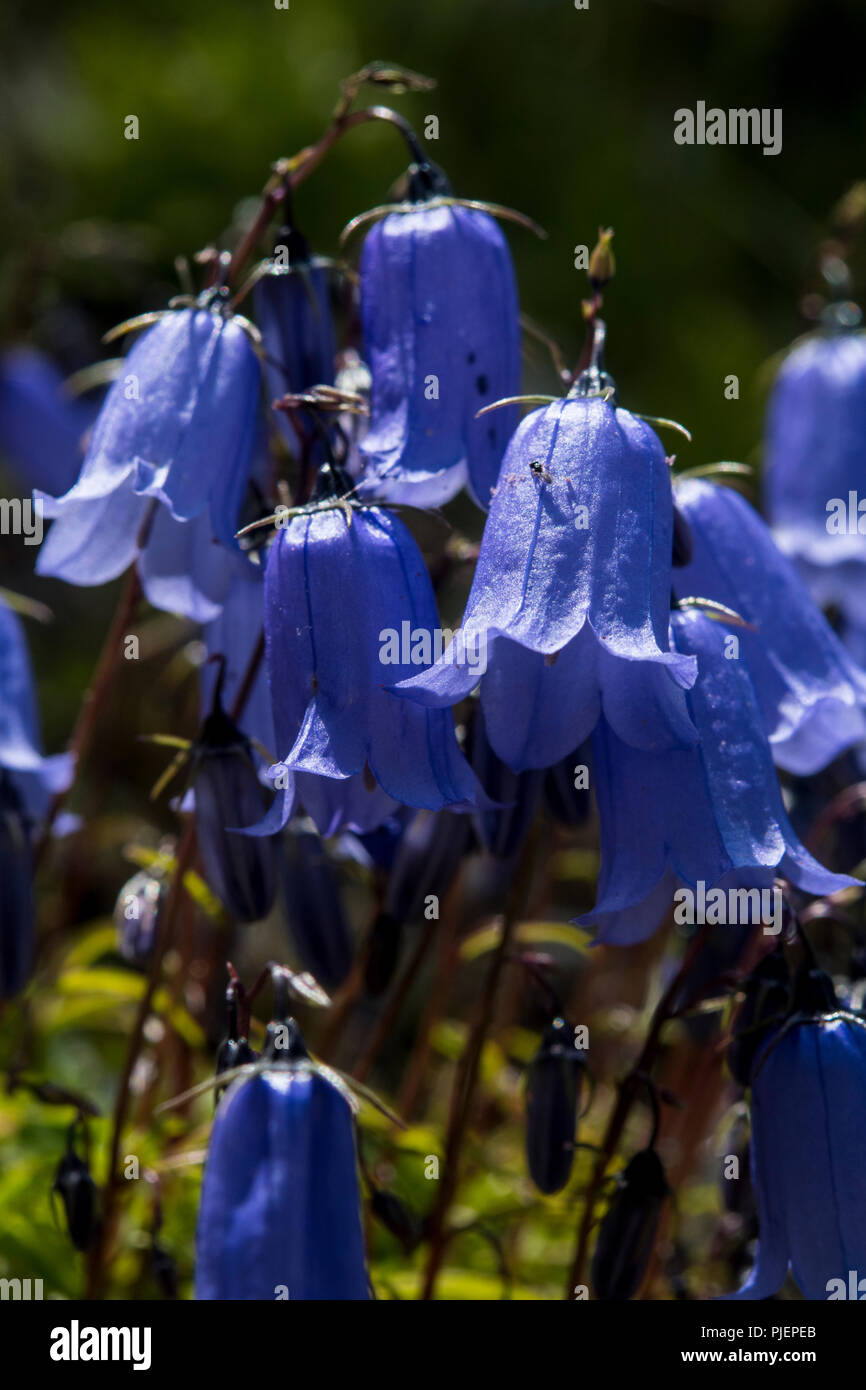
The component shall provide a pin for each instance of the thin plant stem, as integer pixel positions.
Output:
(93, 705)
(98, 1259)
(468, 1070)
(448, 959)
(290, 173)
(394, 1008)
(630, 1089)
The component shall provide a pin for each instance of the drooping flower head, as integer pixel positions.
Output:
(442, 339)
(41, 426)
(348, 604)
(280, 1214)
(229, 796)
(28, 780)
(571, 595)
(812, 696)
(315, 912)
(177, 428)
(293, 312)
(808, 1126)
(710, 815)
(503, 829)
(816, 460)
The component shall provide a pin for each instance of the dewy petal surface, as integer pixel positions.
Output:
(280, 1206)
(442, 339)
(710, 814)
(576, 549)
(332, 593)
(808, 1134)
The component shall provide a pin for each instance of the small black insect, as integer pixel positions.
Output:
(540, 471)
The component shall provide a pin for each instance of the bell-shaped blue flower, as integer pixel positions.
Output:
(815, 465)
(280, 1214)
(812, 696)
(28, 780)
(293, 312)
(442, 339)
(229, 795)
(16, 891)
(178, 426)
(35, 777)
(710, 815)
(234, 635)
(346, 591)
(41, 427)
(428, 855)
(569, 606)
(808, 1136)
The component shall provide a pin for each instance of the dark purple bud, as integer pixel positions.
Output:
(383, 954)
(16, 892)
(241, 869)
(426, 862)
(136, 913)
(163, 1267)
(768, 998)
(502, 830)
(73, 1183)
(566, 789)
(398, 1218)
(293, 312)
(683, 547)
(628, 1231)
(314, 908)
(552, 1100)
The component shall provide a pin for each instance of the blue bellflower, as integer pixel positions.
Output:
(280, 1213)
(808, 1136)
(338, 587)
(293, 312)
(229, 794)
(711, 814)
(178, 428)
(815, 461)
(28, 780)
(41, 426)
(442, 339)
(234, 635)
(811, 693)
(571, 596)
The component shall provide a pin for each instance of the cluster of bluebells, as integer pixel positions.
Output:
(656, 627)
